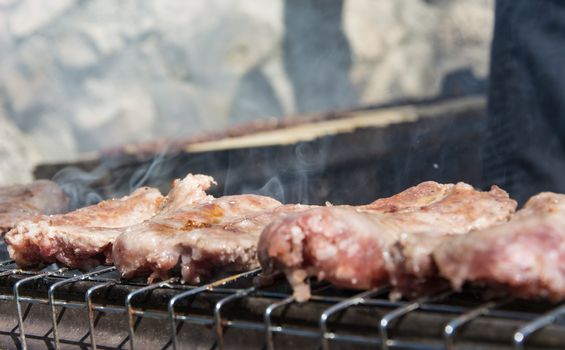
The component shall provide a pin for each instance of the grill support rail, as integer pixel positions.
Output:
(57, 299)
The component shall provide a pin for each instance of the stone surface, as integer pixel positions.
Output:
(405, 48)
(79, 76)
(17, 156)
(32, 15)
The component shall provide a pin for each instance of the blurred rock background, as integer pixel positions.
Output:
(79, 76)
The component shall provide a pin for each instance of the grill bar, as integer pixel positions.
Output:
(6, 262)
(19, 300)
(218, 313)
(208, 287)
(355, 300)
(54, 303)
(269, 329)
(91, 309)
(522, 335)
(278, 313)
(451, 329)
(396, 314)
(131, 312)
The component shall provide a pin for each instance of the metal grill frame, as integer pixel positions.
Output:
(381, 338)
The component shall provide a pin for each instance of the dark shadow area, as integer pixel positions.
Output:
(525, 142)
(317, 60)
(344, 168)
(317, 55)
(463, 82)
(255, 98)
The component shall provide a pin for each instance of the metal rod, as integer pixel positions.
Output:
(391, 316)
(53, 303)
(450, 330)
(355, 300)
(6, 262)
(16, 290)
(130, 310)
(522, 335)
(197, 290)
(268, 323)
(395, 314)
(90, 307)
(223, 321)
(269, 329)
(10, 272)
(218, 312)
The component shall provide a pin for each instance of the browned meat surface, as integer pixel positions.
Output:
(213, 235)
(83, 238)
(20, 202)
(424, 194)
(525, 256)
(367, 246)
(460, 211)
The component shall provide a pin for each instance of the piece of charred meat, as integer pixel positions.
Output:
(21, 202)
(369, 246)
(215, 235)
(83, 238)
(524, 256)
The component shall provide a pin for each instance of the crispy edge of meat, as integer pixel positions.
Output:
(421, 195)
(83, 251)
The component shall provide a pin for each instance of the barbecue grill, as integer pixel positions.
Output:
(58, 308)
(309, 159)
(66, 309)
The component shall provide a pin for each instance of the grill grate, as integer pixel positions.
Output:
(331, 319)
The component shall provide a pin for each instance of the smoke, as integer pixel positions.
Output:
(273, 188)
(147, 172)
(81, 186)
(289, 173)
(114, 178)
(310, 161)
(310, 168)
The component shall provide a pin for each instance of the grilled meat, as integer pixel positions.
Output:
(83, 238)
(216, 234)
(367, 246)
(463, 209)
(523, 256)
(20, 202)
(337, 244)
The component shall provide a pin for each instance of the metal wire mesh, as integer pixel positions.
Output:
(333, 318)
